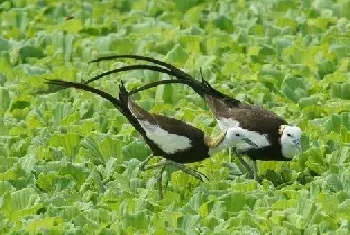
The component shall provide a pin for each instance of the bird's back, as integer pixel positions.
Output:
(178, 140)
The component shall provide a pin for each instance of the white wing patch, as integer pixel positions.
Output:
(258, 139)
(169, 143)
(225, 123)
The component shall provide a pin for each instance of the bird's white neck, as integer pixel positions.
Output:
(289, 150)
(225, 143)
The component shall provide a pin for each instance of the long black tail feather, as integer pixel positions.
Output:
(128, 68)
(136, 57)
(201, 87)
(176, 71)
(162, 82)
(64, 84)
(121, 104)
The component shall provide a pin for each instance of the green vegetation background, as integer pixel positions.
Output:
(69, 160)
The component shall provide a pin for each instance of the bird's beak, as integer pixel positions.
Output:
(248, 141)
(297, 143)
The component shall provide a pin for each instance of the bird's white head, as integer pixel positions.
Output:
(290, 140)
(233, 137)
(237, 135)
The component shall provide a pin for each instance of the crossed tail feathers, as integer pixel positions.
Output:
(201, 88)
(121, 104)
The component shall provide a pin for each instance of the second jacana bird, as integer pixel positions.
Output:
(276, 140)
(175, 140)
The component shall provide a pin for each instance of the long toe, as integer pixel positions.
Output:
(194, 173)
(188, 170)
(200, 176)
(143, 164)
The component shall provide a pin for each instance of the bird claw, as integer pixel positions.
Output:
(143, 164)
(188, 170)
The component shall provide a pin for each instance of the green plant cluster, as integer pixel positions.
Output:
(69, 160)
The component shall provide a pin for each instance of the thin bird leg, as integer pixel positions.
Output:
(144, 163)
(250, 171)
(255, 168)
(160, 181)
(231, 151)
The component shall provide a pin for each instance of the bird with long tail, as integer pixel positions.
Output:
(175, 140)
(276, 140)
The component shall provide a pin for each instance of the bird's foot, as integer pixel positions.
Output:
(197, 174)
(143, 164)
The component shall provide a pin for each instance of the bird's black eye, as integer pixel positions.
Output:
(289, 135)
(237, 134)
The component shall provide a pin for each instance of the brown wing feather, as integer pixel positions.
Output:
(250, 117)
(171, 125)
(138, 112)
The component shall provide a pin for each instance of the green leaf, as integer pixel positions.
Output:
(89, 143)
(177, 55)
(6, 187)
(184, 6)
(86, 110)
(326, 67)
(51, 225)
(340, 50)
(224, 23)
(334, 183)
(20, 104)
(335, 122)
(4, 44)
(69, 142)
(4, 99)
(306, 208)
(341, 91)
(3, 79)
(308, 101)
(136, 149)
(111, 148)
(139, 220)
(32, 69)
(171, 217)
(21, 203)
(233, 201)
(30, 51)
(234, 169)
(122, 45)
(294, 88)
(45, 181)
